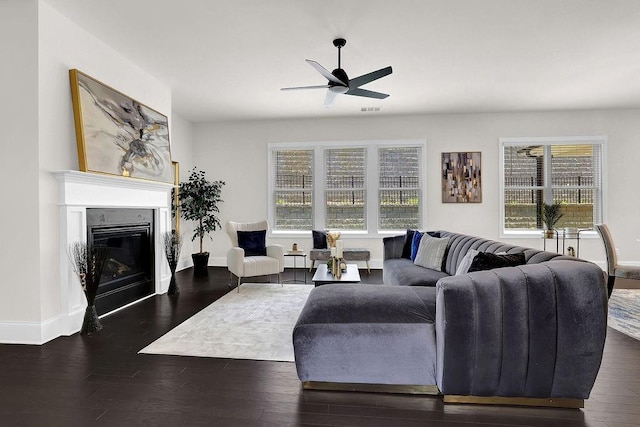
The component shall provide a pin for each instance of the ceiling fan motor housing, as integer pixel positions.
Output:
(341, 75)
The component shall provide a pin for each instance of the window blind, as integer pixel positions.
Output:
(345, 188)
(293, 189)
(399, 187)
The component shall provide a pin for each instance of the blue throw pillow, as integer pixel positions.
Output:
(408, 243)
(253, 242)
(319, 239)
(415, 244)
(411, 244)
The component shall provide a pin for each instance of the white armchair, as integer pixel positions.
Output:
(241, 266)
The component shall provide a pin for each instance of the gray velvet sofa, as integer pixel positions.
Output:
(527, 335)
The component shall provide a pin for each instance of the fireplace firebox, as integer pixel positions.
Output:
(128, 274)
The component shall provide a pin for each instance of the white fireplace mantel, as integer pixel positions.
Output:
(82, 190)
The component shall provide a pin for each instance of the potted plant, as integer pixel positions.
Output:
(199, 201)
(550, 216)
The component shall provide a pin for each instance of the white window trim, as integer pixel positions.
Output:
(552, 140)
(372, 203)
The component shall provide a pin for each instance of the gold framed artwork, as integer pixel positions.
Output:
(118, 135)
(175, 201)
(461, 177)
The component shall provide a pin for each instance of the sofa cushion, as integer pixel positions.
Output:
(431, 252)
(408, 242)
(363, 334)
(319, 239)
(359, 303)
(415, 244)
(253, 242)
(488, 261)
(466, 262)
(403, 272)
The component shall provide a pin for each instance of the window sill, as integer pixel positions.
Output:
(537, 234)
(343, 234)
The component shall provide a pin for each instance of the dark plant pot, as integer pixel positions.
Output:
(200, 262)
(91, 322)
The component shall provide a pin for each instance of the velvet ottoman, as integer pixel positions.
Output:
(363, 336)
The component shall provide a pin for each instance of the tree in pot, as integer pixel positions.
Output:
(550, 216)
(199, 201)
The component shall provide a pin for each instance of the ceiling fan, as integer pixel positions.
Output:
(340, 83)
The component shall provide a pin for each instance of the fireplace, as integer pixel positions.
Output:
(128, 274)
(147, 215)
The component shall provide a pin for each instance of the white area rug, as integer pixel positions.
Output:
(256, 323)
(624, 311)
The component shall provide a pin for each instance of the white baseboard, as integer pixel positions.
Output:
(40, 332)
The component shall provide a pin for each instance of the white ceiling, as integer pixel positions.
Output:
(227, 60)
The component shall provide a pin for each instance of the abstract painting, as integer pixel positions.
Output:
(461, 178)
(118, 135)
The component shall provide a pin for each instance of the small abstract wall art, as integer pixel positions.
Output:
(461, 177)
(118, 135)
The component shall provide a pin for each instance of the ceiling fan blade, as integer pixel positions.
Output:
(367, 78)
(366, 93)
(305, 87)
(327, 75)
(330, 99)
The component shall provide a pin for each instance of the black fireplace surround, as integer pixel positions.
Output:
(128, 274)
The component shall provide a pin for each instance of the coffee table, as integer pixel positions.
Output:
(323, 276)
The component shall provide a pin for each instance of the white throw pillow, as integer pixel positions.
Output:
(431, 252)
(463, 268)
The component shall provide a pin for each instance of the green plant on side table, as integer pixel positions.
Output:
(551, 214)
(199, 199)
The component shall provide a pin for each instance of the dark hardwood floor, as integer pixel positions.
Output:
(100, 380)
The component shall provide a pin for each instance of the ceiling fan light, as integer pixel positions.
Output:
(339, 89)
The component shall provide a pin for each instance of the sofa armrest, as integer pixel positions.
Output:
(393, 247)
(529, 331)
(235, 258)
(277, 252)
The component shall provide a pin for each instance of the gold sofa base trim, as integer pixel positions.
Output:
(516, 401)
(432, 390)
(373, 388)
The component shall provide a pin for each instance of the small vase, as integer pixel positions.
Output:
(173, 286)
(91, 322)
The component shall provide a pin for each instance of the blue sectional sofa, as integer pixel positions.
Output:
(531, 334)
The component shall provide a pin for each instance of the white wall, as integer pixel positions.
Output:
(42, 140)
(237, 153)
(19, 256)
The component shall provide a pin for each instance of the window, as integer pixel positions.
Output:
(345, 189)
(399, 187)
(364, 187)
(293, 194)
(552, 170)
